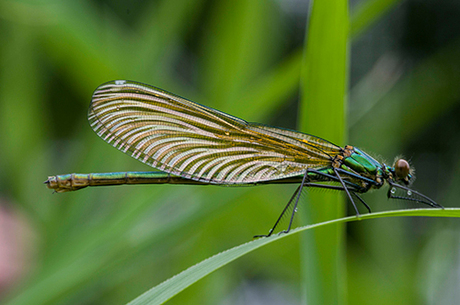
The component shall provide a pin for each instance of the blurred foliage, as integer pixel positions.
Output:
(324, 77)
(109, 245)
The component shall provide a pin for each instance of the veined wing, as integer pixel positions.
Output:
(190, 140)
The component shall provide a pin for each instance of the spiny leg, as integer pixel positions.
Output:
(340, 188)
(363, 202)
(294, 210)
(346, 190)
(424, 199)
(328, 177)
(356, 176)
(281, 216)
(297, 193)
(355, 189)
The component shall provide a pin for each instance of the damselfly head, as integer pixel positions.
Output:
(402, 171)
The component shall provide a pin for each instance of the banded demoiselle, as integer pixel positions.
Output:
(194, 144)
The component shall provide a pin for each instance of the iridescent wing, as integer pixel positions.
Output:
(190, 140)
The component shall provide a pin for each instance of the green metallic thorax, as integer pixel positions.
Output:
(358, 168)
(361, 163)
(358, 162)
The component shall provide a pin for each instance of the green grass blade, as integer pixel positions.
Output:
(323, 87)
(171, 287)
(368, 12)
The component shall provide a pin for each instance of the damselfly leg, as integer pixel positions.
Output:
(347, 186)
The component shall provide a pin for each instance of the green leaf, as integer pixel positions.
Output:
(322, 113)
(367, 13)
(174, 285)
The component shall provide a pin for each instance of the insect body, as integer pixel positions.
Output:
(194, 144)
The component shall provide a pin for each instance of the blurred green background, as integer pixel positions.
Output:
(109, 245)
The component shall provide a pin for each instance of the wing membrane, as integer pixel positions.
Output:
(187, 139)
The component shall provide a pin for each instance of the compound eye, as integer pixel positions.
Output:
(402, 169)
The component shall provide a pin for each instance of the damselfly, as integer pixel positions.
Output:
(194, 144)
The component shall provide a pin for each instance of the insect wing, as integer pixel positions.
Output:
(187, 139)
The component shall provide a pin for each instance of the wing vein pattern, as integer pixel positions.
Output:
(187, 139)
